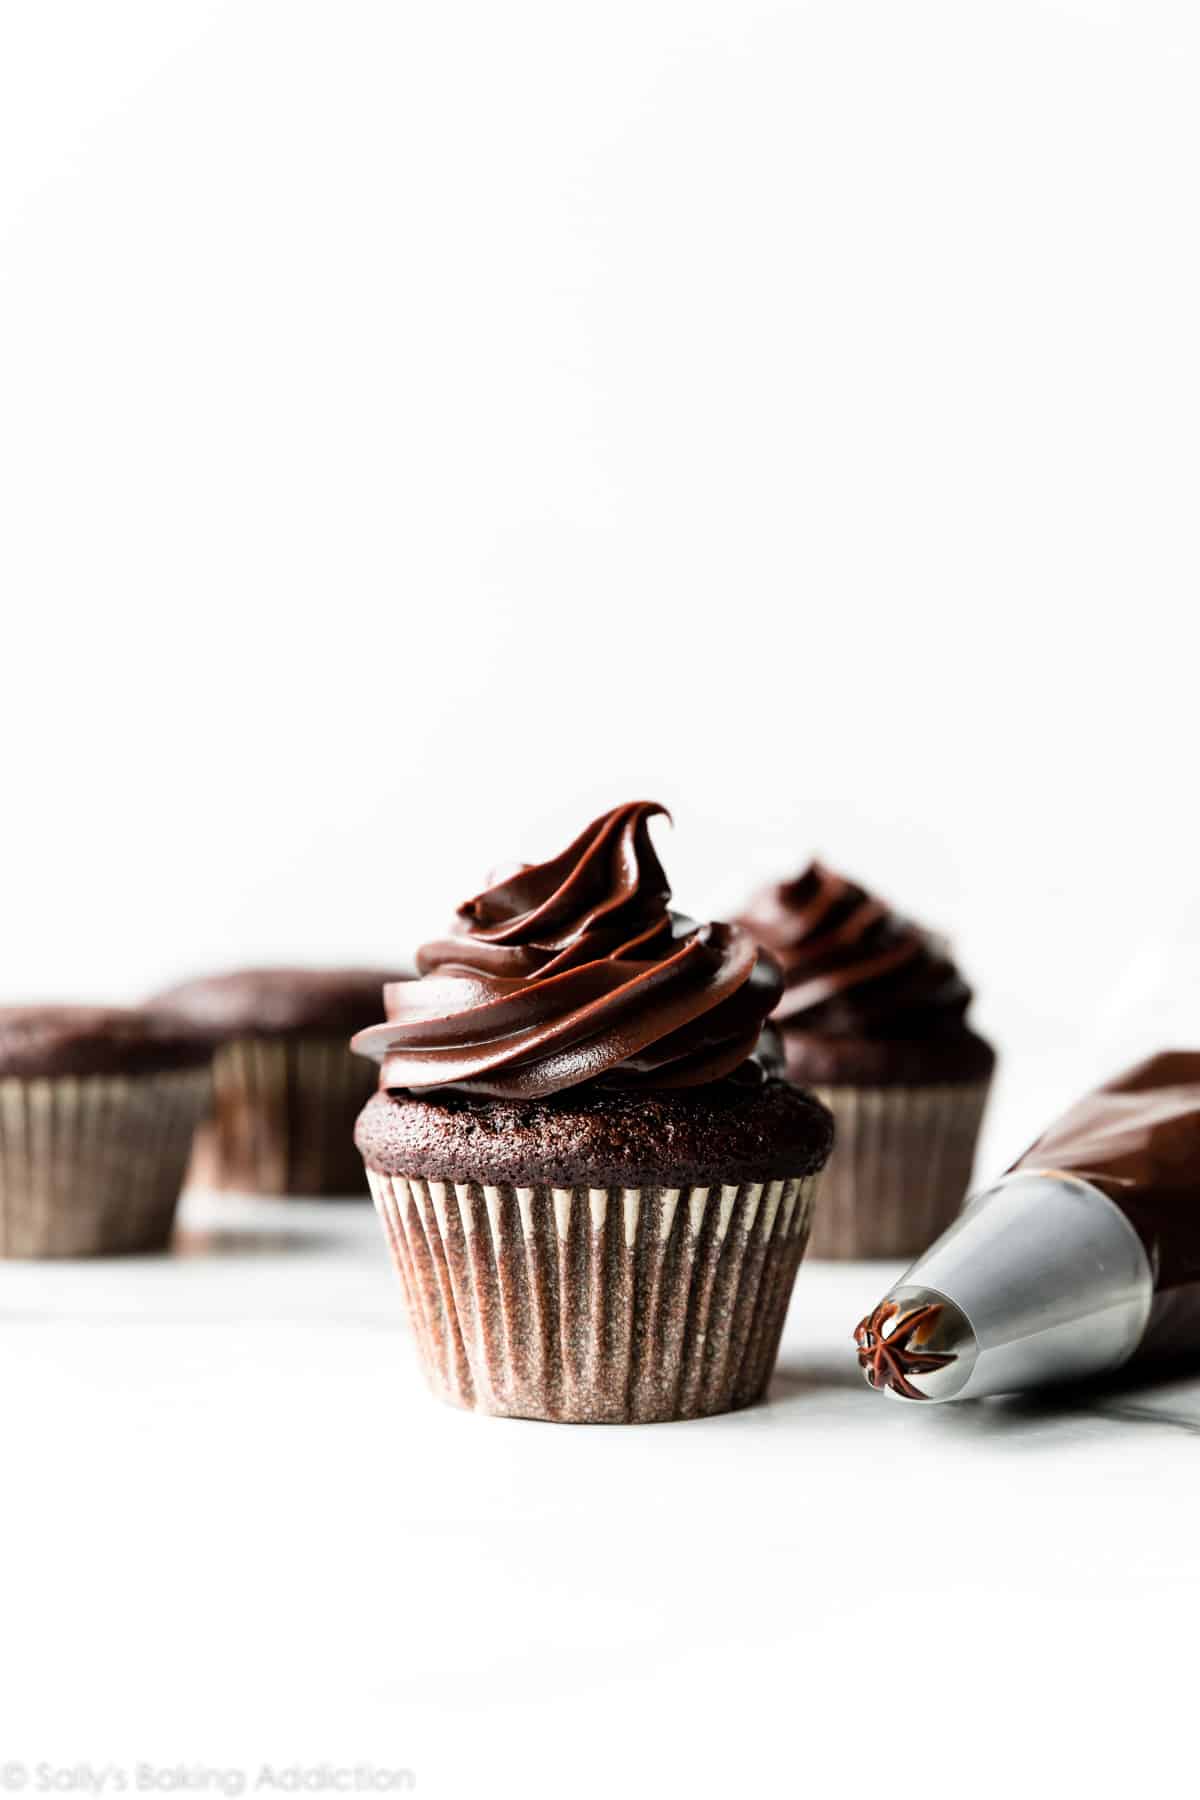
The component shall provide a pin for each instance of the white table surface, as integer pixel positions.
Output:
(238, 1532)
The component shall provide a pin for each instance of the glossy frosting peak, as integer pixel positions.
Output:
(852, 965)
(576, 970)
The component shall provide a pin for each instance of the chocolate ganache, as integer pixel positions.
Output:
(576, 970)
(1137, 1139)
(850, 964)
(869, 999)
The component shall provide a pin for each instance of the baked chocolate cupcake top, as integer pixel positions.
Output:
(867, 993)
(280, 1002)
(576, 970)
(96, 1040)
(600, 1136)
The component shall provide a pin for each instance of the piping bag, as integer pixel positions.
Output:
(1084, 1258)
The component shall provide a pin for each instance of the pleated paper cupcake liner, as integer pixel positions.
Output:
(92, 1165)
(601, 1305)
(283, 1118)
(900, 1168)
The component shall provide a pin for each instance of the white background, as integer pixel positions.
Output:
(423, 425)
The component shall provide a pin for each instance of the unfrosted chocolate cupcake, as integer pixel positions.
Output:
(97, 1110)
(286, 1090)
(873, 1017)
(596, 1189)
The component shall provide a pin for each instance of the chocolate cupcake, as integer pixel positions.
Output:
(97, 1111)
(873, 1017)
(596, 1189)
(286, 1089)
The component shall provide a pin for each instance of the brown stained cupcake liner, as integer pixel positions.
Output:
(283, 1115)
(900, 1168)
(596, 1305)
(92, 1165)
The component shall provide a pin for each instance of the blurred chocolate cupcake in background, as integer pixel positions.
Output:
(873, 1019)
(595, 1187)
(98, 1106)
(286, 1089)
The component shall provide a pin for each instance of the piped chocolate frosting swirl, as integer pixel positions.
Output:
(851, 965)
(576, 970)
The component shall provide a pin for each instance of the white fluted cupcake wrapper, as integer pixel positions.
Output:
(900, 1168)
(92, 1165)
(596, 1304)
(283, 1117)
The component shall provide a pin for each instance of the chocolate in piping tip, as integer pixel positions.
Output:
(887, 1341)
(916, 1345)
